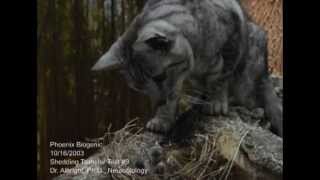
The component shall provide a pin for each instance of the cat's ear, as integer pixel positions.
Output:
(114, 57)
(154, 36)
(154, 41)
(111, 59)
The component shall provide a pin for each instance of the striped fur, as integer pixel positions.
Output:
(202, 41)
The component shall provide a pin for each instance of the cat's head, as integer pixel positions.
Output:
(148, 53)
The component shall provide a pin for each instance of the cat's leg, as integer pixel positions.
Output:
(210, 96)
(166, 108)
(165, 117)
(272, 105)
(218, 99)
(216, 87)
(258, 61)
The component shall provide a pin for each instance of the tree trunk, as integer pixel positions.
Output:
(83, 80)
(42, 100)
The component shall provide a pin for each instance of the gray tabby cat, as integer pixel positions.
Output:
(209, 43)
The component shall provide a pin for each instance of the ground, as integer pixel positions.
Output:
(236, 146)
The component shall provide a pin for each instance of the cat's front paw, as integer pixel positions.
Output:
(219, 107)
(218, 99)
(159, 125)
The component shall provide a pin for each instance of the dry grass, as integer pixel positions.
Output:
(200, 160)
(269, 15)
